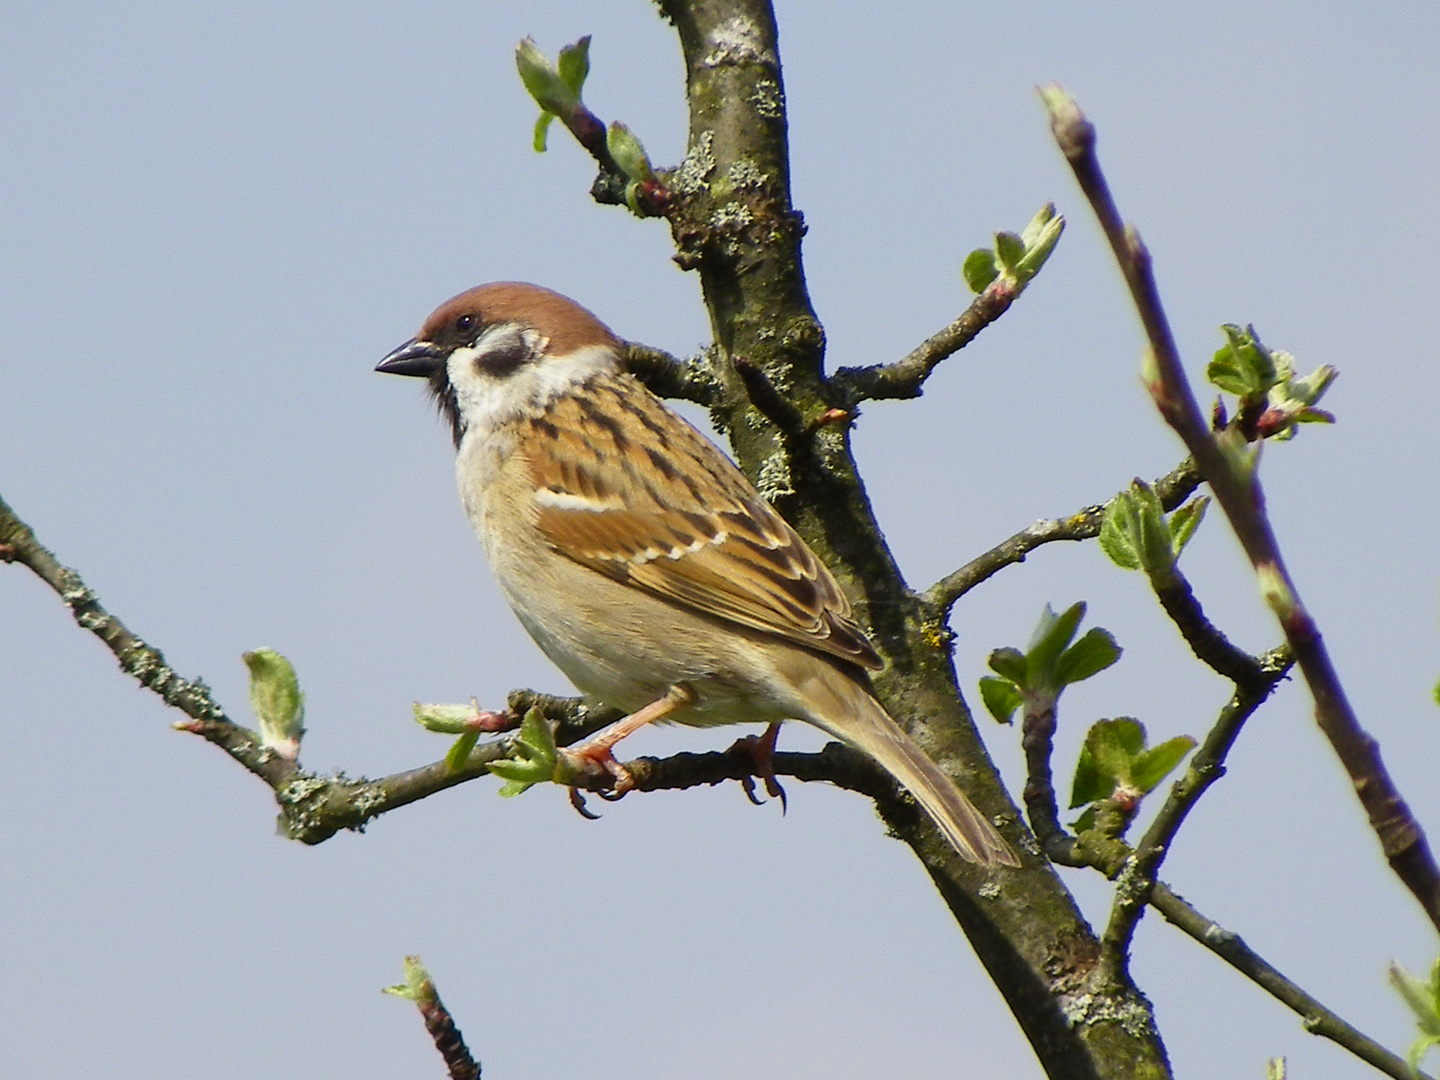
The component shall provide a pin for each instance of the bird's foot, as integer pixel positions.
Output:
(597, 756)
(760, 749)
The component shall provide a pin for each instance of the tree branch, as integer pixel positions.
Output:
(1230, 471)
(1315, 1017)
(906, 377)
(1205, 639)
(668, 376)
(1173, 488)
(1257, 678)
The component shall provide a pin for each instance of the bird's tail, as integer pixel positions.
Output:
(846, 710)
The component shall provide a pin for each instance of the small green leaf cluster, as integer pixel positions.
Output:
(418, 986)
(555, 87)
(533, 756)
(1116, 765)
(1015, 259)
(1136, 534)
(1034, 678)
(1423, 997)
(1266, 385)
(276, 700)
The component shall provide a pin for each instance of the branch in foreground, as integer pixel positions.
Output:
(1231, 473)
(1173, 488)
(906, 377)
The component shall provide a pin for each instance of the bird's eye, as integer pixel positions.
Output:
(465, 323)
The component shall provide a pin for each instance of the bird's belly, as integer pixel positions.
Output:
(628, 649)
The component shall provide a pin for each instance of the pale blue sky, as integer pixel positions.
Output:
(215, 219)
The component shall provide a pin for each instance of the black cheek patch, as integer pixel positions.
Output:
(503, 357)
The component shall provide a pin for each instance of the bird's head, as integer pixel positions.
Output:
(504, 350)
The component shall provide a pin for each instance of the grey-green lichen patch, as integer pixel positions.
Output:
(745, 175)
(302, 787)
(731, 218)
(1129, 1012)
(775, 481)
(989, 891)
(767, 99)
(690, 178)
(830, 447)
(738, 40)
(368, 800)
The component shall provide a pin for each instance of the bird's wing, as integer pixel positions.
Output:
(628, 488)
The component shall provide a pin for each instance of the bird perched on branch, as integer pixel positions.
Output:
(639, 558)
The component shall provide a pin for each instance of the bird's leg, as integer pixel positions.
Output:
(760, 749)
(599, 748)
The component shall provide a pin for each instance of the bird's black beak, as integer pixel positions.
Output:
(415, 357)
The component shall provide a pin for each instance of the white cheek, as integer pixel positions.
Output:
(488, 400)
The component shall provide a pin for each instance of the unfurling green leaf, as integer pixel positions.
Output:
(979, 269)
(1242, 366)
(418, 986)
(1155, 764)
(1135, 533)
(557, 92)
(1423, 997)
(1270, 393)
(459, 752)
(1118, 530)
(574, 65)
(625, 148)
(533, 756)
(1115, 758)
(1052, 634)
(1184, 521)
(1033, 680)
(277, 701)
(1040, 238)
(1011, 664)
(446, 719)
(1016, 257)
(1093, 653)
(1000, 696)
(1009, 250)
(1049, 665)
(1291, 401)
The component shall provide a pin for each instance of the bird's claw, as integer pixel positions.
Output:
(760, 749)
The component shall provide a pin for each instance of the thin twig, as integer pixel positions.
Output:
(419, 987)
(668, 376)
(1315, 1017)
(906, 377)
(651, 197)
(1173, 488)
(140, 661)
(1237, 488)
(1258, 676)
(1205, 639)
(1208, 763)
(1038, 741)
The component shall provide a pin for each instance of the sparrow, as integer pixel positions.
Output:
(638, 556)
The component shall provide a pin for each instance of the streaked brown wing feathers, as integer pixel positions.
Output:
(651, 502)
